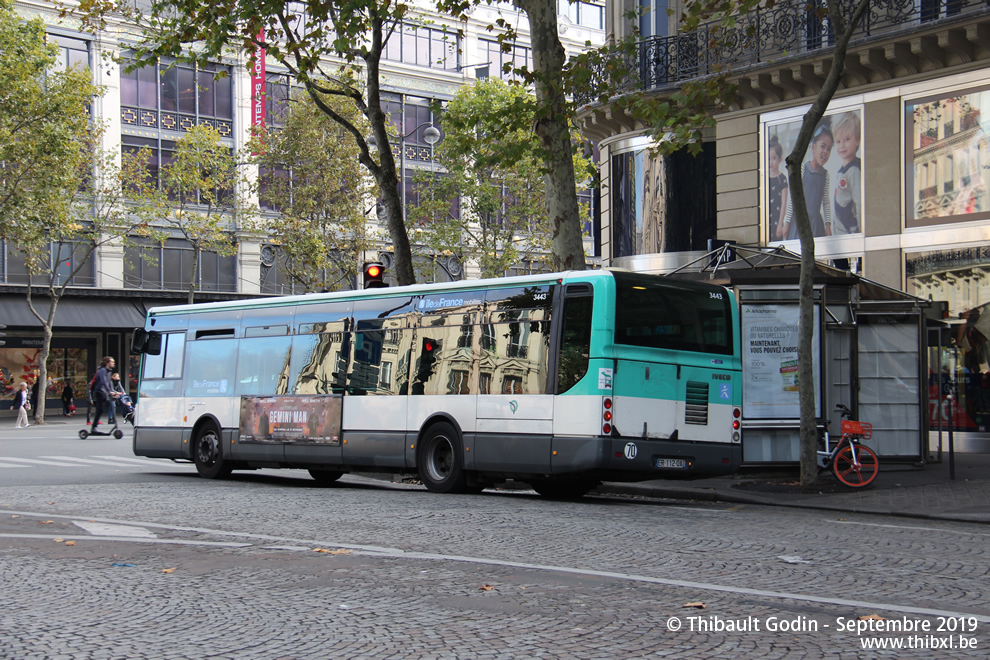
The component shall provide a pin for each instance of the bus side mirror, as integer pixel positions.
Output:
(139, 341)
(154, 345)
(146, 341)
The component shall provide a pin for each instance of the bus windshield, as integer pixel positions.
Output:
(671, 314)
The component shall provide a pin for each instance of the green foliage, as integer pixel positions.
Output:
(45, 133)
(311, 175)
(493, 163)
(302, 37)
(197, 195)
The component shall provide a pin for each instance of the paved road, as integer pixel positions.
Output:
(409, 574)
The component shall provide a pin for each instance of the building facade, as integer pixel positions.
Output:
(899, 192)
(426, 61)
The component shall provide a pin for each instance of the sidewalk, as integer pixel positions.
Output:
(899, 490)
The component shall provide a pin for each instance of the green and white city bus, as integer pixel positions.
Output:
(560, 380)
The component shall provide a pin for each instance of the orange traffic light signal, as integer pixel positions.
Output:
(374, 275)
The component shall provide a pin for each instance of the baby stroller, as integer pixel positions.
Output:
(128, 406)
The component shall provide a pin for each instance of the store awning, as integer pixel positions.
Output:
(102, 313)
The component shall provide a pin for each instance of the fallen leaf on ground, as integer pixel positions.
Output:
(15, 516)
(60, 540)
(872, 617)
(486, 587)
(70, 542)
(338, 551)
(45, 522)
(697, 604)
(168, 570)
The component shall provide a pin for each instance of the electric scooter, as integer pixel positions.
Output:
(85, 433)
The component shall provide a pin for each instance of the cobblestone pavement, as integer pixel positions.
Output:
(408, 574)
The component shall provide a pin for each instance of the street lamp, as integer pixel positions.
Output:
(430, 135)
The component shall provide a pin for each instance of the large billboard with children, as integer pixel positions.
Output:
(831, 174)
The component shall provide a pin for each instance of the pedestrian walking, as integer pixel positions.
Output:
(68, 405)
(34, 394)
(22, 402)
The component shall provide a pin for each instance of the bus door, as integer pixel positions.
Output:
(375, 405)
(515, 408)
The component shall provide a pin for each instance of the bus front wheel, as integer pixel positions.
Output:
(208, 454)
(439, 460)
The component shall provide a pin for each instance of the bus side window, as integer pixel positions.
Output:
(319, 361)
(262, 363)
(168, 363)
(575, 342)
(211, 367)
(520, 352)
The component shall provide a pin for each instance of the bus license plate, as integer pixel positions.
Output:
(672, 463)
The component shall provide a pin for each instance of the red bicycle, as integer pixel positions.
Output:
(853, 463)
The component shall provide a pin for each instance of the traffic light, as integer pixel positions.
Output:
(374, 275)
(2, 334)
(427, 360)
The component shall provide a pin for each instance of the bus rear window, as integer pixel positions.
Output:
(656, 312)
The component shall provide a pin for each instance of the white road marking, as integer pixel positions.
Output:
(35, 461)
(219, 544)
(8, 465)
(908, 527)
(89, 461)
(428, 556)
(106, 529)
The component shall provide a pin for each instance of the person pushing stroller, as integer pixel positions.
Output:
(103, 392)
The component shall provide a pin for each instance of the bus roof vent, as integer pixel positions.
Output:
(696, 403)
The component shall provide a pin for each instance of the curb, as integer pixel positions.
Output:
(712, 495)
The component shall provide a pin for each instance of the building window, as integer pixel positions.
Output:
(277, 94)
(174, 96)
(517, 57)
(653, 19)
(664, 203)
(150, 265)
(72, 53)
(423, 46)
(948, 157)
(587, 14)
(63, 260)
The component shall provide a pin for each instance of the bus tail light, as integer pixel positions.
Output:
(736, 424)
(606, 428)
(607, 416)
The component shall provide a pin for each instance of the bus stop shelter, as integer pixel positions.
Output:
(870, 344)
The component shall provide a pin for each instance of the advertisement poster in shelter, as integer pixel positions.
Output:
(300, 419)
(770, 361)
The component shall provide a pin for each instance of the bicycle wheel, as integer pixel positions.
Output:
(853, 474)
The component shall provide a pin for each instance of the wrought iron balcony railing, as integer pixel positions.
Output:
(767, 35)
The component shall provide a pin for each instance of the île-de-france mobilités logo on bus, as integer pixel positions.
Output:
(513, 406)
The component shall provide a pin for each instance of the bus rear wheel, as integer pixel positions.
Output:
(563, 490)
(325, 477)
(208, 454)
(439, 460)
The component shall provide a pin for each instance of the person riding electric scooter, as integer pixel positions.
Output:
(103, 397)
